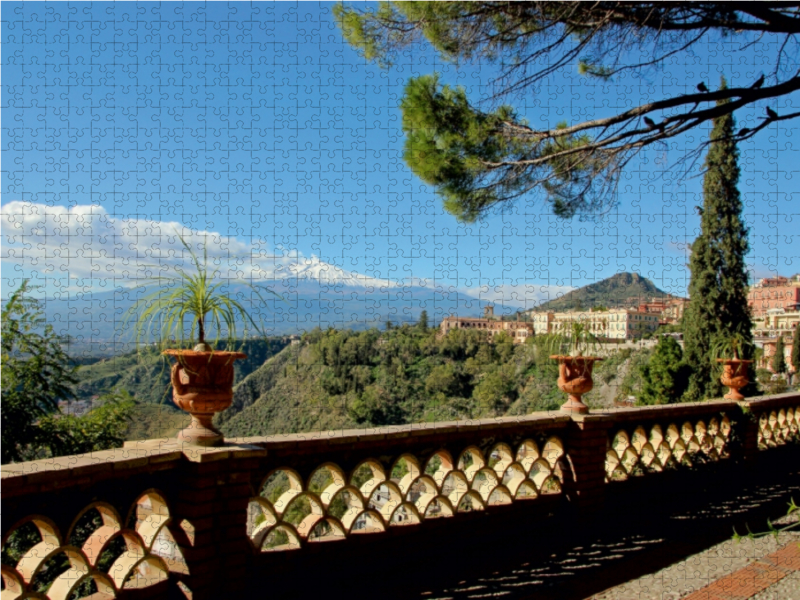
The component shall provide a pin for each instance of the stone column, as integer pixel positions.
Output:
(584, 478)
(209, 515)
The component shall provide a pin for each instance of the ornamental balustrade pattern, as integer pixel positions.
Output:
(195, 517)
(332, 506)
(655, 448)
(778, 427)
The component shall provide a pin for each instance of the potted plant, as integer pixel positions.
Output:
(201, 377)
(734, 369)
(575, 368)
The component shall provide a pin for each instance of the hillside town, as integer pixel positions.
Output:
(774, 304)
(775, 308)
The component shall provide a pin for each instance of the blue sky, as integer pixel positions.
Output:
(256, 124)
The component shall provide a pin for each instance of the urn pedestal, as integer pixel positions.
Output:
(575, 378)
(202, 385)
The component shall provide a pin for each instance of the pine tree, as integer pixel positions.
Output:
(718, 287)
(795, 357)
(664, 377)
(779, 361)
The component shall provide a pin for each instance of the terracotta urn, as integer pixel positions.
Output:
(202, 385)
(575, 378)
(734, 376)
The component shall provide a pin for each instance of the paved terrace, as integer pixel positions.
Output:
(543, 506)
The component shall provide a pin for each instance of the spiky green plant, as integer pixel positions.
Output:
(734, 346)
(577, 341)
(195, 295)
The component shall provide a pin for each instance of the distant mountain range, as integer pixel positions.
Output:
(618, 291)
(94, 322)
(320, 297)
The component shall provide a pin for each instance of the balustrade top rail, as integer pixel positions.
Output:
(155, 513)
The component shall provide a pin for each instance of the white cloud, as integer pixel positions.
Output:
(89, 247)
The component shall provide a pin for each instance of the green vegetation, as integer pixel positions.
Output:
(770, 384)
(423, 321)
(622, 290)
(575, 342)
(665, 376)
(622, 372)
(483, 155)
(338, 379)
(145, 376)
(779, 360)
(36, 375)
(195, 296)
(717, 310)
(795, 357)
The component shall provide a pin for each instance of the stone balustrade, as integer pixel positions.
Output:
(155, 517)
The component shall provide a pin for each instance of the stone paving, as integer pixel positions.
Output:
(765, 568)
(786, 589)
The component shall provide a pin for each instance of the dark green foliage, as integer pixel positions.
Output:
(779, 360)
(423, 320)
(717, 307)
(344, 379)
(473, 160)
(482, 154)
(101, 428)
(795, 357)
(664, 378)
(36, 375)
(496, 390)
(770, 384)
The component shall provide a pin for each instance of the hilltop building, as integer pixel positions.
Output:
(669, 309)
(518, 330)
(769, 345)
(774, 293)
(775, 322)
(619, 324)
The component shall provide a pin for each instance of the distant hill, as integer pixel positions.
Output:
(618, 291)
(94, 322)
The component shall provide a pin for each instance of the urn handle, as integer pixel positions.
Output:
(175, 376)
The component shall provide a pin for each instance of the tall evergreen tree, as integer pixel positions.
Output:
(795, 357)
(423, 320)
(778, 360)
(718, 286)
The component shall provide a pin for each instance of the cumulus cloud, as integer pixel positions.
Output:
(88, 246)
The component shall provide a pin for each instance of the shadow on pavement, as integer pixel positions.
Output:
(551, 551)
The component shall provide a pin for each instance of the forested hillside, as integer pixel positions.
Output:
(338, 379)
(145, 376)
(618, 291)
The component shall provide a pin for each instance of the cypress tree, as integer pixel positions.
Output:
(718, 287)
(779, 361)
(795, 357)
(422, 324)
